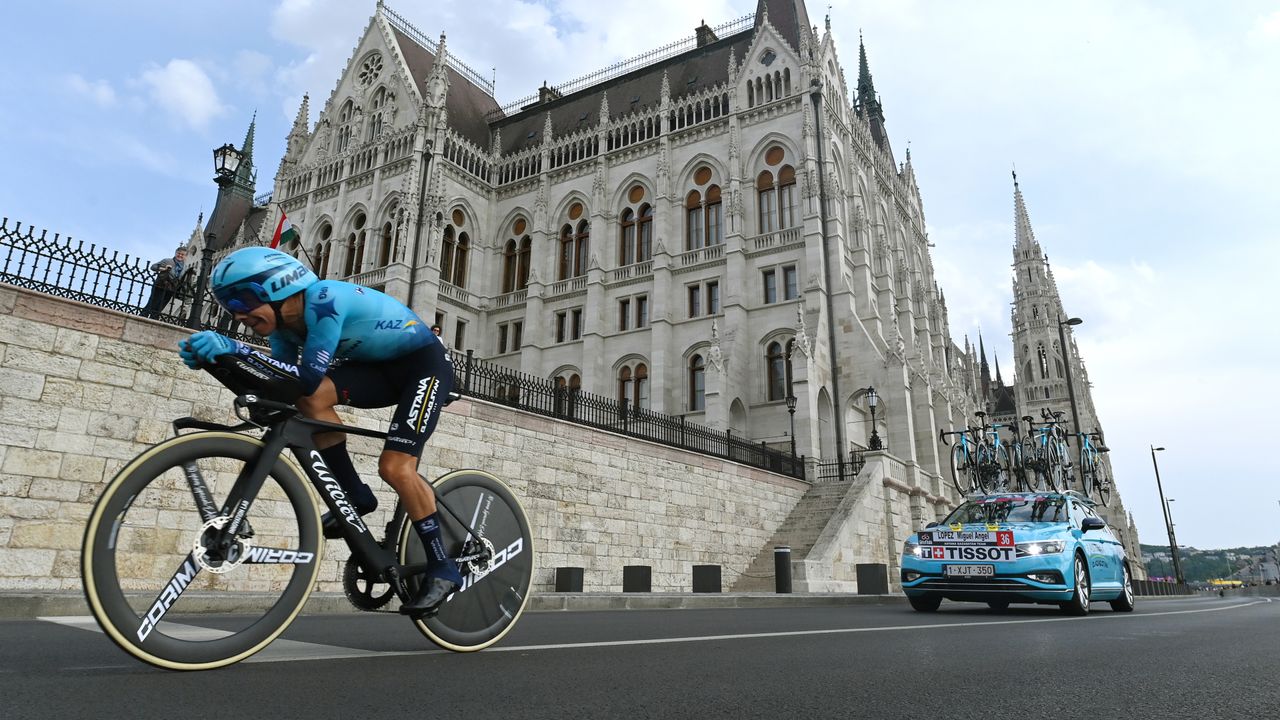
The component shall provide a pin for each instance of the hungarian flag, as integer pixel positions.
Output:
(285, 231)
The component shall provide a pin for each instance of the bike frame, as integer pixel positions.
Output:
(296, 433)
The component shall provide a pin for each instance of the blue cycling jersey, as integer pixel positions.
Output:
(348, 322)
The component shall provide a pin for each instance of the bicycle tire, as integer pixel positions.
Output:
(958, 465)
(1029, 477)
(137, 583)
(1056, 472)
(1102, 483)
(1004, 472)
(489, 604)
(982, 467)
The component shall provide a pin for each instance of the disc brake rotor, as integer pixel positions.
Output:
(219, 562)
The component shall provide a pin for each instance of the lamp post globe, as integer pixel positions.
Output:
(226, 161)
(791, 410)
(873, 400)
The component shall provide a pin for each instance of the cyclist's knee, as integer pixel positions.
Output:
(397, 468)
(321, 401)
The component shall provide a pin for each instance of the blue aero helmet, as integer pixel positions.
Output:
(253, 276)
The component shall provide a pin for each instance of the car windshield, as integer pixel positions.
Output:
(1011, 509)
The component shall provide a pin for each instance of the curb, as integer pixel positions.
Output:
(27, 606)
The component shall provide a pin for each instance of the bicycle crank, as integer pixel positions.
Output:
(365, 589)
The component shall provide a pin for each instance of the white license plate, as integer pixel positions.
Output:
(969, 570)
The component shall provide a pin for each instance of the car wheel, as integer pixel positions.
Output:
(1079, 602)
(925, 603)
(1124, 603)
(998, 605)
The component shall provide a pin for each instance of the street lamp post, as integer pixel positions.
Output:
(1168, 521)
(873, 443)
(791, 410)
(226, 160)
(1066, 361)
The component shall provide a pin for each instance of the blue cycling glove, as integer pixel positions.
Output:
(203, 347)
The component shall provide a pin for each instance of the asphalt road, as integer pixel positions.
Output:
(1203, 658)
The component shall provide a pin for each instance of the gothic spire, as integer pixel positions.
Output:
(302, 121)
(999, 380)
(984, 368)
(1024, 238)
(247, 147)
(868, 105)
(245, 173)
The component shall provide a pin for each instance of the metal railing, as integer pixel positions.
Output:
(839, 469)
(623, 67)
(65, 268)
(95, 276)
(496, 383)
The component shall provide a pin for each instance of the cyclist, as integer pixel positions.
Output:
(339, 343)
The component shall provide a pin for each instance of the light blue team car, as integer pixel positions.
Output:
(1048, 548)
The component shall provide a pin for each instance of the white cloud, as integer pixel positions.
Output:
(1269, 25)
(184, 91)
(99, 92)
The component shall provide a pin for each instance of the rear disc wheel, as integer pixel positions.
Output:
(495, 588)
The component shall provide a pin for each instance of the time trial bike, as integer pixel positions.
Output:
(222, 519)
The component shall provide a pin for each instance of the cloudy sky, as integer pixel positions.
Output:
(1142, 132)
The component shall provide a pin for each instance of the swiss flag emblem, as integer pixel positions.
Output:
(937, 553)
(1004, 538)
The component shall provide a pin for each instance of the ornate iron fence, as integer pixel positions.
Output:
(840, 469)
(96, 276)
(494, 382)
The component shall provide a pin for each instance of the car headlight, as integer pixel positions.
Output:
(912, 549)
(1043, 547)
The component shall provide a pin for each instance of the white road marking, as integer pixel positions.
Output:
(283, 650)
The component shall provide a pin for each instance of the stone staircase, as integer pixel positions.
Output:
(799, 532)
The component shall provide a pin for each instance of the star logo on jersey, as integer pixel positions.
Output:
(324, 310)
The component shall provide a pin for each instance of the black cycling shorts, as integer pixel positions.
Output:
(418, 384)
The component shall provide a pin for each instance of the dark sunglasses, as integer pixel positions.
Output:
(241, 299)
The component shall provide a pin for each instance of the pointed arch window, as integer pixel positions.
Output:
(509, 266)
(704, 216)
(1043, 358)
(766, 197)
(565, 254)
(522, 264)
(345, 116)
(391, 230)
(461, 256)
(787, 197)
(322, 251)
(644, 241)
(566, 396)
(694, 220)
(697, 383)
(633, 385)
(447, 246)
(627, 247)
(775, 367)
(582, 248)
(355, 247)
(377, 108)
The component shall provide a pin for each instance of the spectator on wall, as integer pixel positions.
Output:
(165, 286)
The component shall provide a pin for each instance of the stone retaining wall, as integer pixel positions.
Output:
(83, 390)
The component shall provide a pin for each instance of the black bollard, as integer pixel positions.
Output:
(569, 579)
(782, 569)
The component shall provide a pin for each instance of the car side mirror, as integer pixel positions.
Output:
(931, 525)
(1092, 523)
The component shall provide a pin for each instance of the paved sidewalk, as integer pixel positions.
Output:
(20, 605)
(26, 605)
